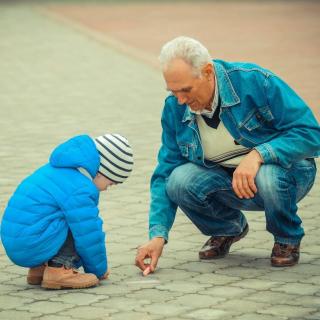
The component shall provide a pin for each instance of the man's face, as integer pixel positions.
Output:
(196, 91)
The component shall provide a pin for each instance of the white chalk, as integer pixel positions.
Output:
(146, 271)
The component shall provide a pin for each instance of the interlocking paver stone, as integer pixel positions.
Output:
(93, 313)
(122, 303)
(274, 297)
(197, 302)
(215, 279)
(288, 311)
(165, 309)
(46, 307)
(255, 316)
(298, 288)
(133, 316)
(314, 316)
(155, 295)
(54, 317)
(204, 314)
(78, 298)
(183, 286)
(14, 315)
(226, 291)
(256, 284)
(242, 306)
(9, 302)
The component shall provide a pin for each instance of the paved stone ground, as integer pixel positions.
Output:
(57, 82)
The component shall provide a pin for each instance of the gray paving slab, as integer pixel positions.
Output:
(57, 82)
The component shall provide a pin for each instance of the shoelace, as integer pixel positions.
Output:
(216, 241)
(281, 249)
(73, 270)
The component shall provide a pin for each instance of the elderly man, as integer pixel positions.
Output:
(235, 137)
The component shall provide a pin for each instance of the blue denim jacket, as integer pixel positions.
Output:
(258, 109)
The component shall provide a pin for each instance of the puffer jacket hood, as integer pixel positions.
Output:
(79, 151)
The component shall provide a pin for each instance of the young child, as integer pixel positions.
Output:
(52, 224)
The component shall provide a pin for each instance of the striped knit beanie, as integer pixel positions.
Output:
(116, 158)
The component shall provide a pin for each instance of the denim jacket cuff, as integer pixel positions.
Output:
(158, 231)
(267, 154)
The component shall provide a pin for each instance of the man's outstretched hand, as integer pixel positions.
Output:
(151, 250)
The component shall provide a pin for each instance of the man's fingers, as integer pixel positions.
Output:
(235, 187)
(140, 259)
(140, 264)
(252, 185)
(152, 266)
(244, 185)
(247, 192)
(154, 262)
(151, 250)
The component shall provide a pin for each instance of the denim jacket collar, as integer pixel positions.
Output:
(227, 93)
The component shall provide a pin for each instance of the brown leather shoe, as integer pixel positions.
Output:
(285, 255)
(35, 275)
(218, 247)
(59, 278)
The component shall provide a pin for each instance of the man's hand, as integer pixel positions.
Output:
(243, 177)
(151, 250)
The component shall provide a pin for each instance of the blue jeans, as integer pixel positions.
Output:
(67, 254)
(207, 198)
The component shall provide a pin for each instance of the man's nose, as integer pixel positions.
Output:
(182, 99)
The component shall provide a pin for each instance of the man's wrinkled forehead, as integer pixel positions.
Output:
(179, 76)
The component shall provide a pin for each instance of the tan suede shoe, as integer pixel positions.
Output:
(60, 278)
(35, 275)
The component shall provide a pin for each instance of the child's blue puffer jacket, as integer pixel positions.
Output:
(52, 200)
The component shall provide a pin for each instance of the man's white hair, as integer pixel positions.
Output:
(190, 50)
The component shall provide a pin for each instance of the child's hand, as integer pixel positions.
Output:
(105, 276)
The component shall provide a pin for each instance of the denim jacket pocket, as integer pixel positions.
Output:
(253, 122)
(186, 150)
(257, 118)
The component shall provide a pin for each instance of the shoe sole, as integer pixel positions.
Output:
(57, 285)
(242, 235)
(284, 264)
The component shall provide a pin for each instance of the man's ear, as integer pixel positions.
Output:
(207, 71)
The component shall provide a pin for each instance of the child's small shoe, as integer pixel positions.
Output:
(62, 277)
(35, 275)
